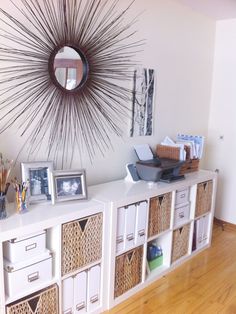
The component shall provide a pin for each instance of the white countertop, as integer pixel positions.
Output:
(116, 190)
(45, 215)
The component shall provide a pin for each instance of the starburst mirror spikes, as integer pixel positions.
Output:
(62, 79)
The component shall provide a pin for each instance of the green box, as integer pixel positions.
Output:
(158, 261)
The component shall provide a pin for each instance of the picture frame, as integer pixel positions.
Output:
(38, 175)
(68, 185)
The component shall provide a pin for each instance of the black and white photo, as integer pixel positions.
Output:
(69, 185)
(142, 102)
(37, 173)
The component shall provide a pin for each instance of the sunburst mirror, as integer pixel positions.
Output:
(64, 64)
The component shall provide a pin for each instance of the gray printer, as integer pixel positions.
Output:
(150, 168)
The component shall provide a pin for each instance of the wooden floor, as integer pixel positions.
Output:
(205, 284)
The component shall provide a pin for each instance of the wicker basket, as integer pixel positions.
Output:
(128, 272)
(190, 165)
(204, 198)
(81, 243)
(180, 242)
(42, 302)
(171, 152)
(159, 214)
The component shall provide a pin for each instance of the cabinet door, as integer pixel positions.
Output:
(120, 229)
(80, 292)
(130, 226)
(141, 217)
(68, 296)
(94, 275)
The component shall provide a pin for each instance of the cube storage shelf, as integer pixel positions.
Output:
(169, 220)
(98, 247)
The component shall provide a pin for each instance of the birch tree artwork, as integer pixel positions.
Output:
(142, 102)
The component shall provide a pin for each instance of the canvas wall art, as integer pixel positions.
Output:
(142, 102)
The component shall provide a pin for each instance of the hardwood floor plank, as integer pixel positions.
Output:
(204, 285)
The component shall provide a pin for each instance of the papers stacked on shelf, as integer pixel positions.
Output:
(194, 142)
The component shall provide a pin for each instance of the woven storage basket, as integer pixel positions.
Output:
(170, 152)
(204, 198)
(128, 272)
(159, 214)
(81, 243)
(42, 302)
(180, 242)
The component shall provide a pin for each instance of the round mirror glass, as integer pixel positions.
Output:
(68, 68)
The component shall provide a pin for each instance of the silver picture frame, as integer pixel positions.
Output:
(68, 185)
(38, 175)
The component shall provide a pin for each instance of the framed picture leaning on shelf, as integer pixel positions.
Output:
(68, 185)
(40, 186)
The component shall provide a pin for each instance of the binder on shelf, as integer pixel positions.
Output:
(120, 229)
(80, 287)
(130, 226)
(94, 279)
(141, 218)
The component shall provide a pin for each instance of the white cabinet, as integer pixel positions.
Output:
(34, 246)
(97, 245)
(152, 229)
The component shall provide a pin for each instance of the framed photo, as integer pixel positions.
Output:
(68, 185)
(38, 174)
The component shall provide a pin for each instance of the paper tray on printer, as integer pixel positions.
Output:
(150, 171)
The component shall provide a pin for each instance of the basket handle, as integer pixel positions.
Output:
(161, 198)
(130, 257)
(83, 224)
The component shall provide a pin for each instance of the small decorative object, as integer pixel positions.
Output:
(37, 173)
(68, 185)
(21, 196)
(142, 103)
(4, 185)
(154, 256)
(70, 69)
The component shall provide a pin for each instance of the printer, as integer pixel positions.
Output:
(150, 168)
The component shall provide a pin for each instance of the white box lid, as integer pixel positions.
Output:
(18, 239)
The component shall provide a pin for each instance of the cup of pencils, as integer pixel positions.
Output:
(21, 196)
(5, 169)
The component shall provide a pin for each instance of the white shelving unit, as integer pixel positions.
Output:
(125, 210)
(121, 194)
(44, 216)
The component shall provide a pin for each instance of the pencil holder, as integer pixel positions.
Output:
(21, 202)
(3, 212)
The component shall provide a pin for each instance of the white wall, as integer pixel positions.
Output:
(221, 152)
(179, 46)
